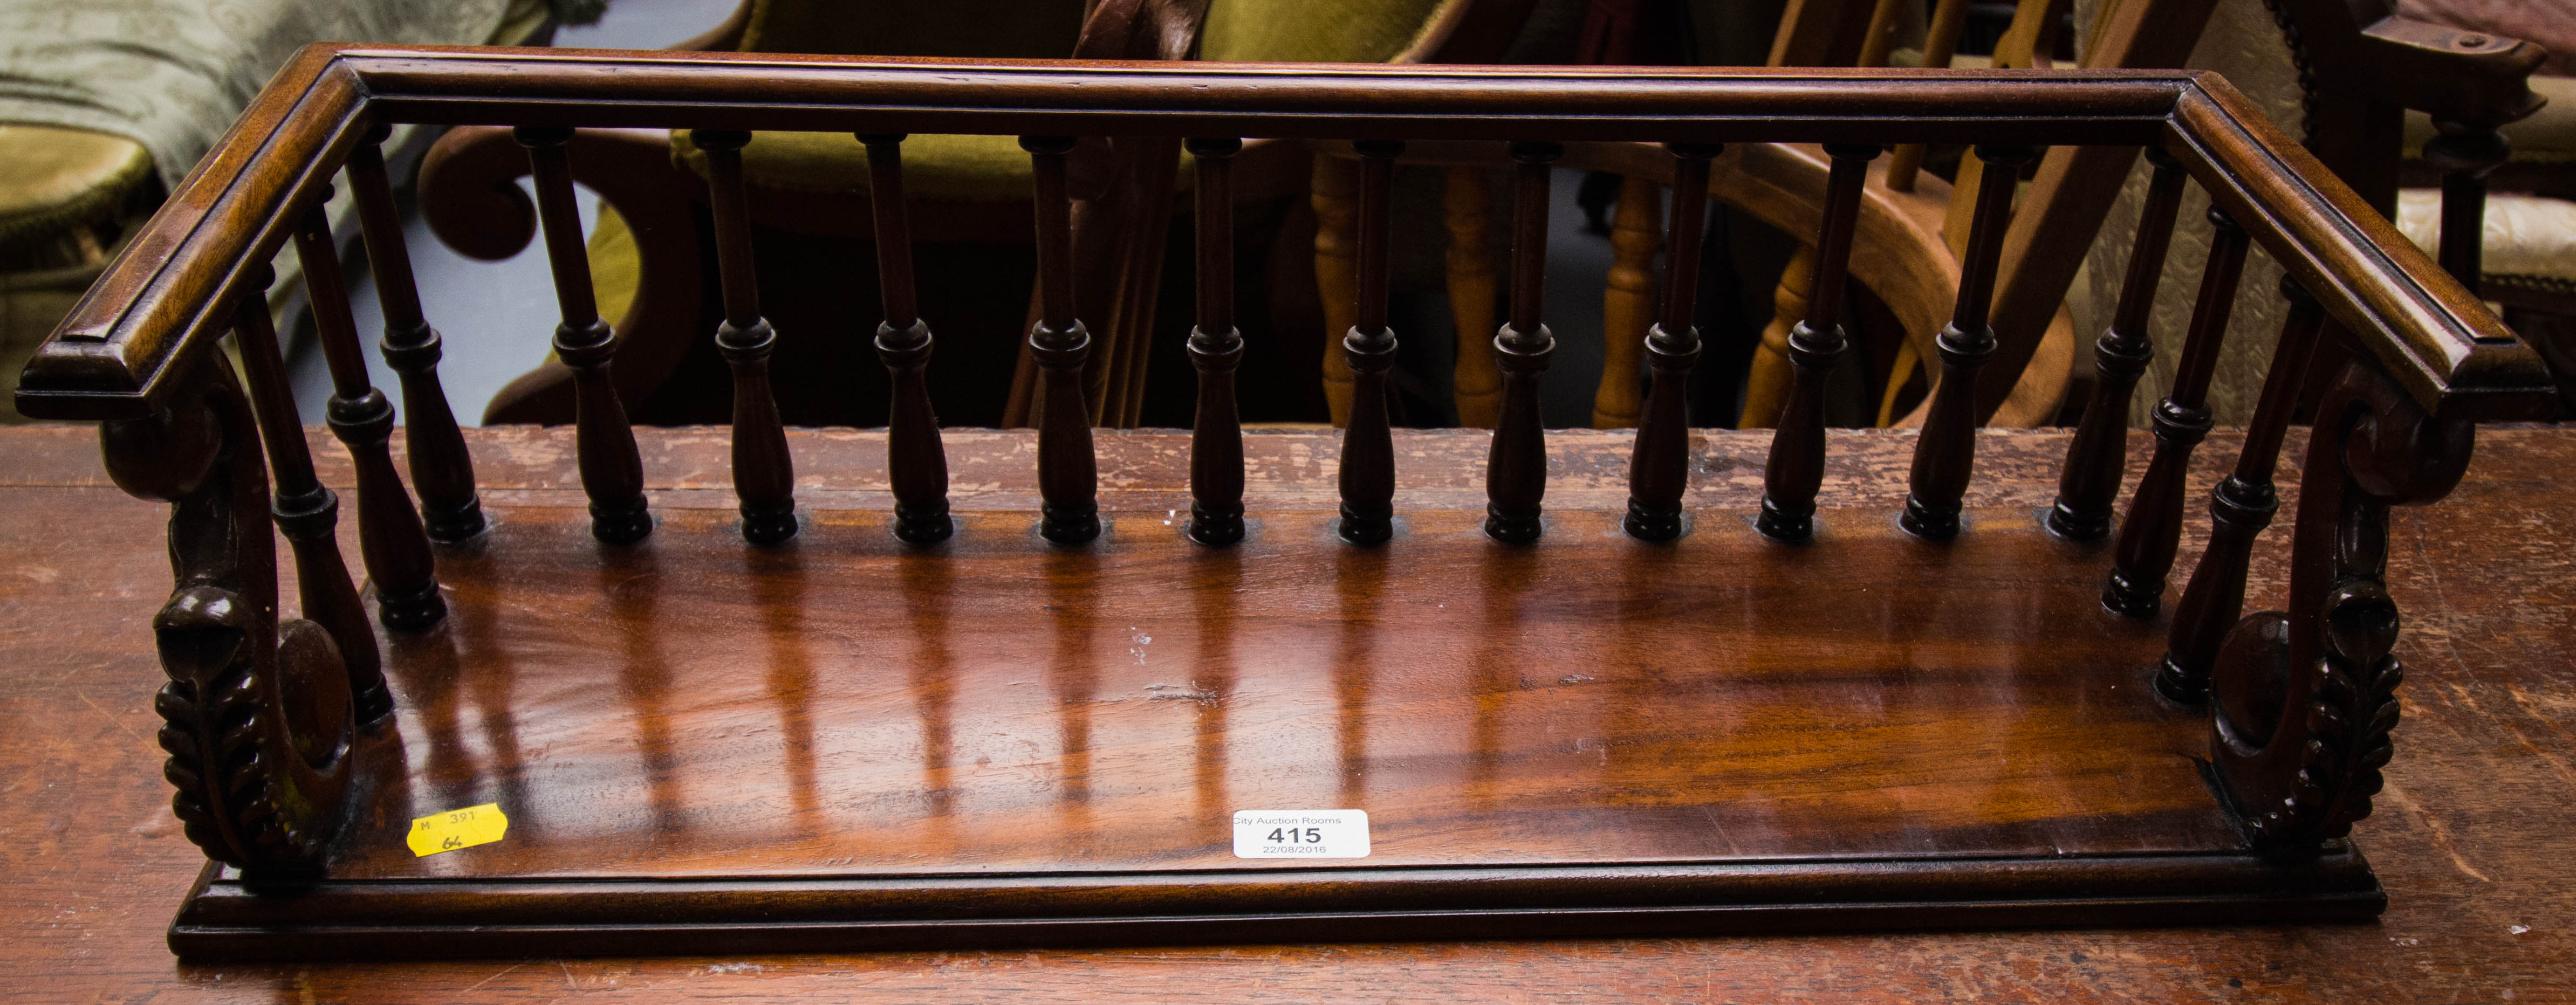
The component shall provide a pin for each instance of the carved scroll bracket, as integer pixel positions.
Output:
(2304, 701)
(257, 716)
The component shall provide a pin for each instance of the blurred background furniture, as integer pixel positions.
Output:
(106, 104)
(2342, 79)
(2528, 249)
(967, 195)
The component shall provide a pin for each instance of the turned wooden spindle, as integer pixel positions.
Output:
(1467, 213)
(442, 472)
(1659, 467)
(916, 462)
(1216, 348)
(2465, 153)
(1068, 474)
(1945, 454)
(305, 510)
(391, 542)
(2152, 531)
(2240, 506)
(2097, 456)
(764, 475)
(1516, 468)
(612, 474)
(1796, 466)
(1368, 349)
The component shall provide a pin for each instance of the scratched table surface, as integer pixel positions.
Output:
(2472, 837)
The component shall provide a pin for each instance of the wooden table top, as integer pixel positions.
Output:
(2471, 837)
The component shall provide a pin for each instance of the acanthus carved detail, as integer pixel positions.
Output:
(2304, 703)
(257, 716)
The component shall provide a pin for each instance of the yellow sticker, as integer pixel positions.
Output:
(456, 829)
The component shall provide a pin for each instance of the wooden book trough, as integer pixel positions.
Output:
(1605, 685)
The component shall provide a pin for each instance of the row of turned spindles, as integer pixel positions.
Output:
(1060, 345)
(395, 538)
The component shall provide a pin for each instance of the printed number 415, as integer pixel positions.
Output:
(1291, 835)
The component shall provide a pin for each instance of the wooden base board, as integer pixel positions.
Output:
(846, 743)
(224, 921)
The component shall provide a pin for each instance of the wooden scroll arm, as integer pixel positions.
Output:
(2303, 702)
(257, 717)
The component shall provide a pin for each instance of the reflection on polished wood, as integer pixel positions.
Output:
(1704, 717)
(997, 731)
(2460, 850)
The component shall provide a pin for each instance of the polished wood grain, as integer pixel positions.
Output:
(2456, 844)
(1665, 776)
(1072, 700)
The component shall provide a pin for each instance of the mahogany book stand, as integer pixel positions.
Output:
(855, 698)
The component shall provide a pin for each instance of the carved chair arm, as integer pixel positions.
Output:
(2452, 73)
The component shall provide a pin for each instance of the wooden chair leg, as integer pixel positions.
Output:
(1474, 278)
(1908, 360)
(1337, 211)
(1628, 304)
(1766, 383)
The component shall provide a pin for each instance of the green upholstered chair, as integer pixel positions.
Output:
(65, 197)
(68, 197)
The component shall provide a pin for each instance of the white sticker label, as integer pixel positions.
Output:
(1301, 834)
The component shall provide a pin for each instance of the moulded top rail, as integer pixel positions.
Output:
(163, 299)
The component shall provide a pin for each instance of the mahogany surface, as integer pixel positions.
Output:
(2471, 842)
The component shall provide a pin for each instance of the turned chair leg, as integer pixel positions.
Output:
(1337, 211)
(1628, 303)
(1474, 279)
(1766, 382)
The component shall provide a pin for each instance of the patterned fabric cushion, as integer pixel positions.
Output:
(2526, 235)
